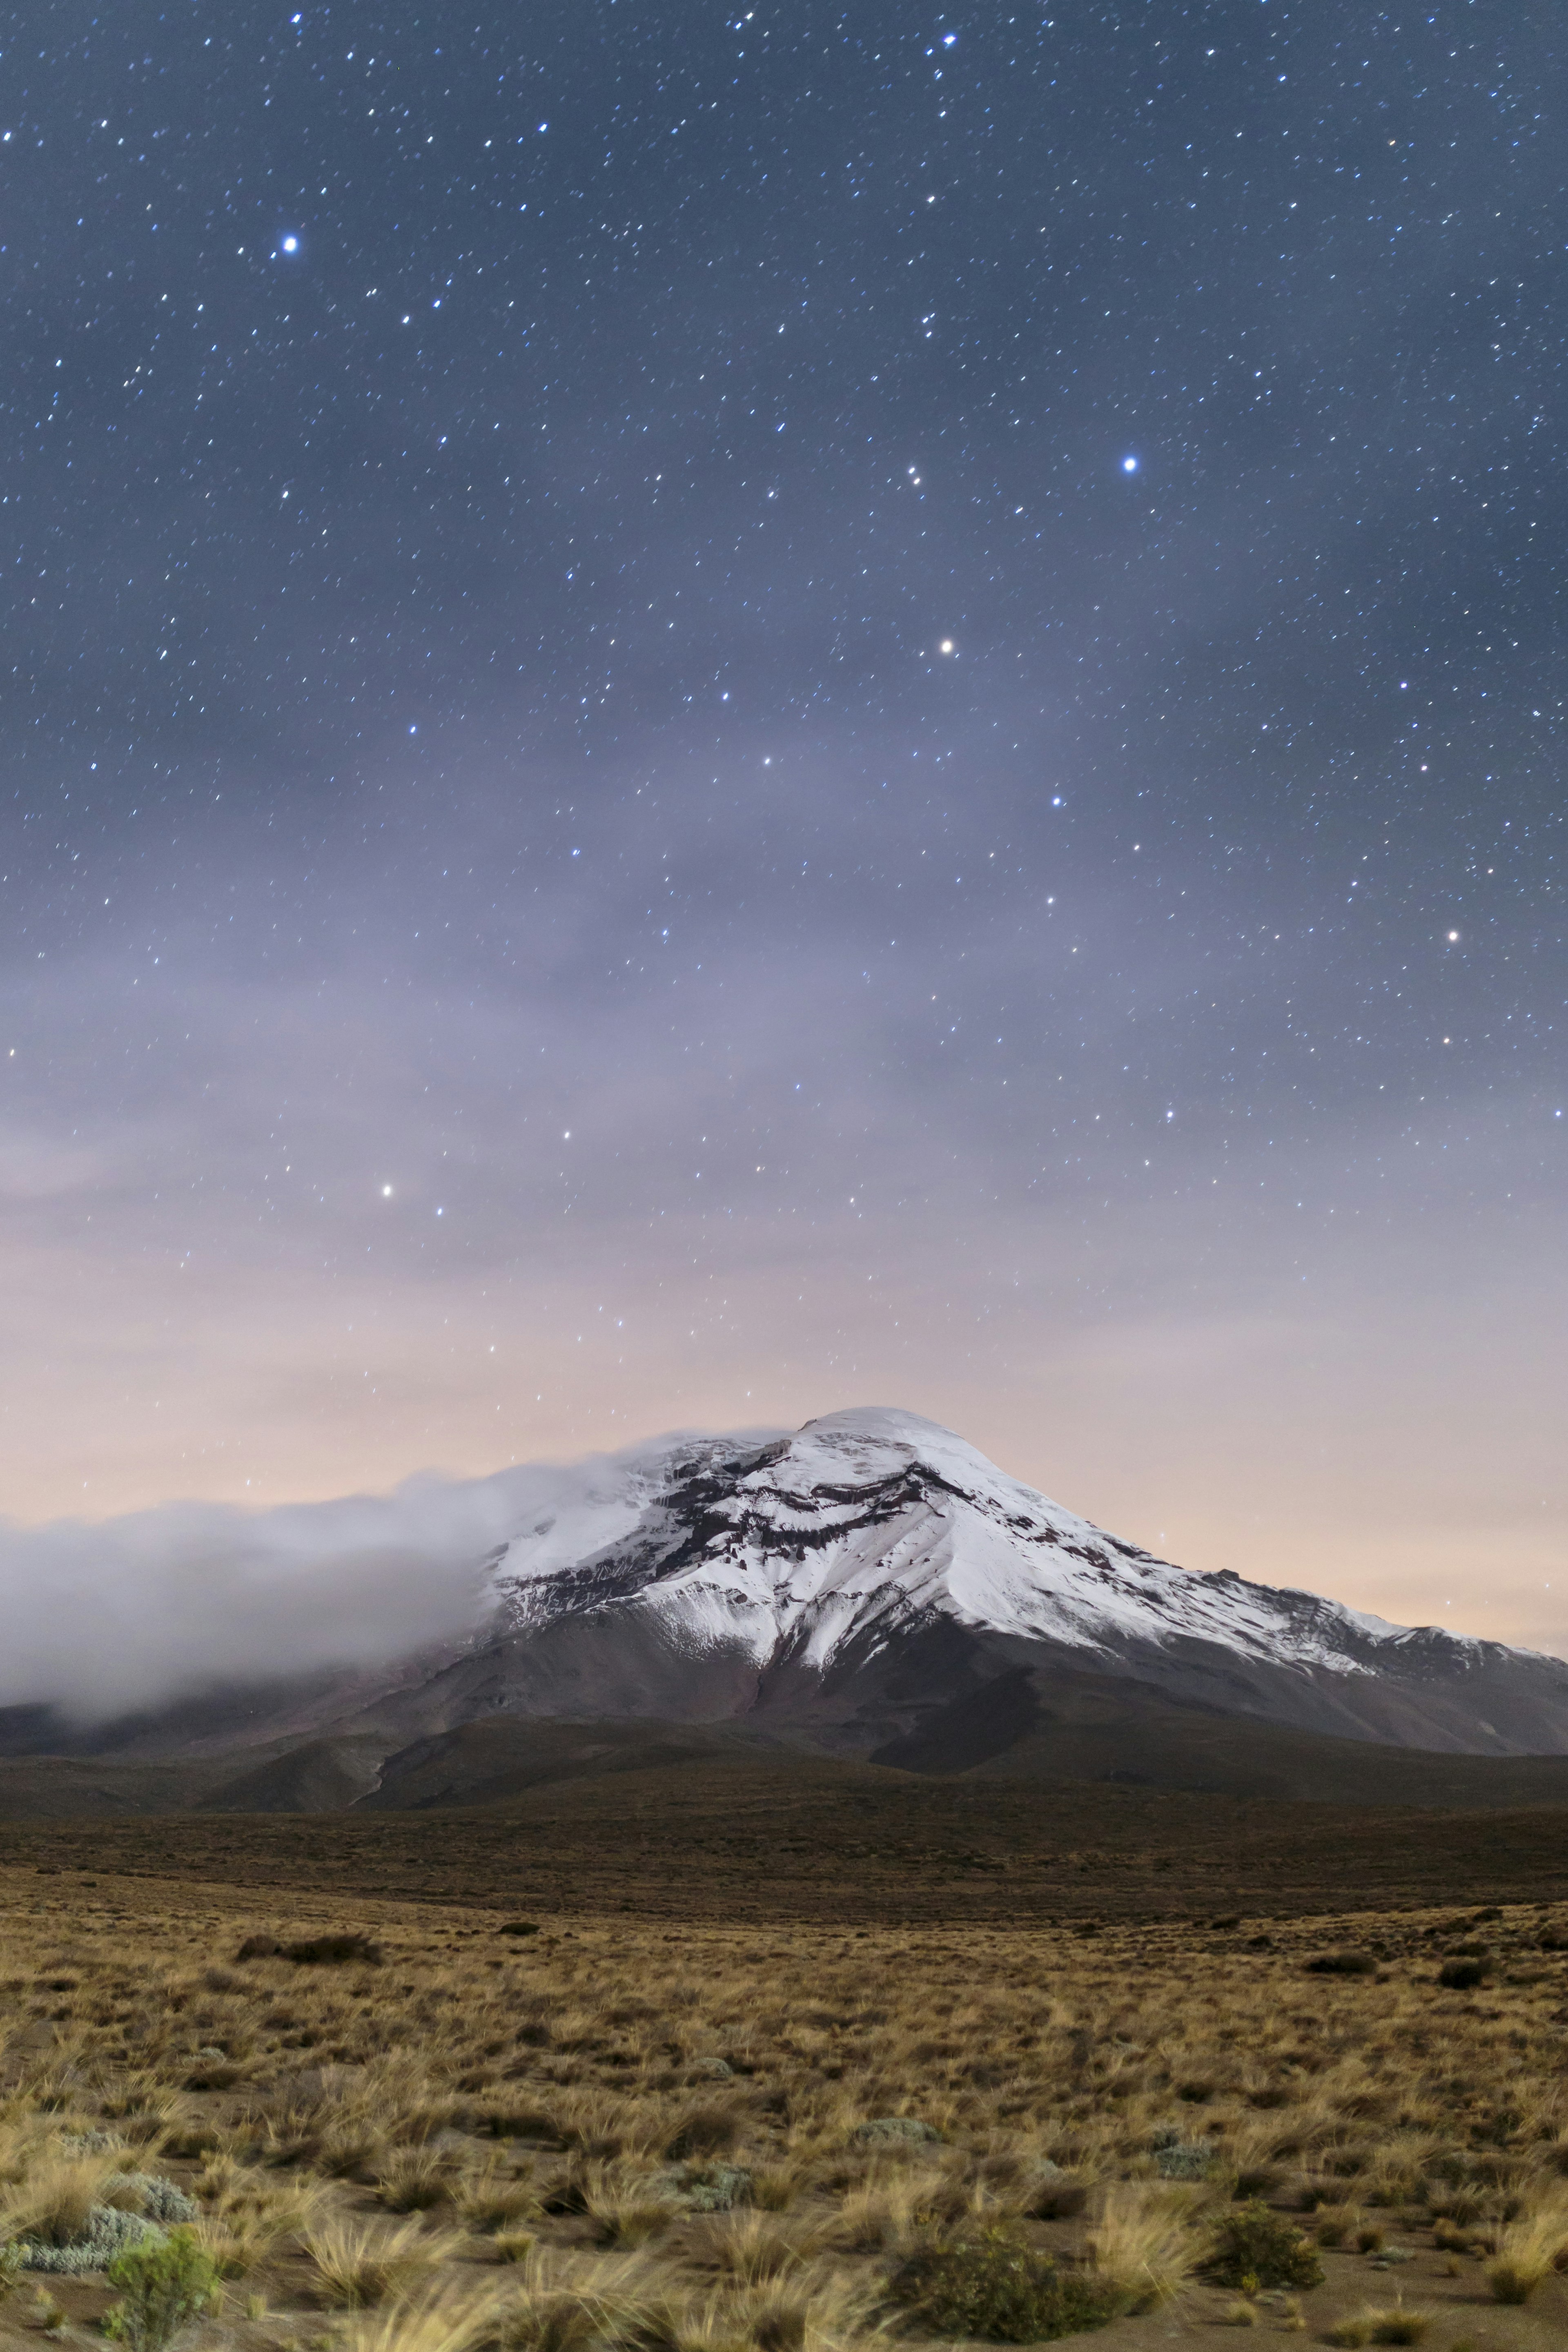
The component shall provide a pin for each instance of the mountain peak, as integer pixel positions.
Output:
(877, 1514)
(769, 1562)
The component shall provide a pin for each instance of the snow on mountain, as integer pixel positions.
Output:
(866, 1523)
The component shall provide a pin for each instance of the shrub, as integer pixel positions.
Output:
(257, 1948)
(1254, 2247)
(106, 2233)
(149, 2193)
(896, 2129)
(995, 2286)
(710, 2187)
(1341, 1964)
(10, 2266)
(333, 1951)
(1176, 2158)
(519, 1927)
(165, 2283)
(1462, 1975)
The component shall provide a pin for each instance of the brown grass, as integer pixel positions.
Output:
(484, 2139)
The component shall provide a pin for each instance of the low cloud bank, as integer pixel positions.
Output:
(99, 1620)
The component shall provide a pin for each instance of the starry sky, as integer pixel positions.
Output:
(715, 712)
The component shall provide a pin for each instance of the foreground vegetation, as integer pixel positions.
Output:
(417, 2129)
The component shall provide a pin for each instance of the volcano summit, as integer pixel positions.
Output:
(870, 1588)
(854, 1585)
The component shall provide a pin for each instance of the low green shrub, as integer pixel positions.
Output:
(995, 2286)
(1342, 1964)
(164, 2285)
(1254, 2247)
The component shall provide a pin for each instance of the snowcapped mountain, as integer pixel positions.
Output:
(852, 1582)
(864, 1524)
(871, 1587)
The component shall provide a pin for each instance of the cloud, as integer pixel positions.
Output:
(162, 1604)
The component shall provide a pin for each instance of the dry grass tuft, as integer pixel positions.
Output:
(56, 2194)
(440, 2321)
(1527, 2252)
(755, 2248)
(1395, 2324)
(416, 2181)
(1142, 2243)
(358, 2264)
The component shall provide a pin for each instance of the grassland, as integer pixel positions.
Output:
(652, 2134)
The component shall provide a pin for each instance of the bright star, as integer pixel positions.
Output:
(290, 245)
(1130, 465)
(947, 644)
(386, 1191)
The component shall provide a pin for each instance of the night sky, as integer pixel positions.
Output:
(716, 713)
